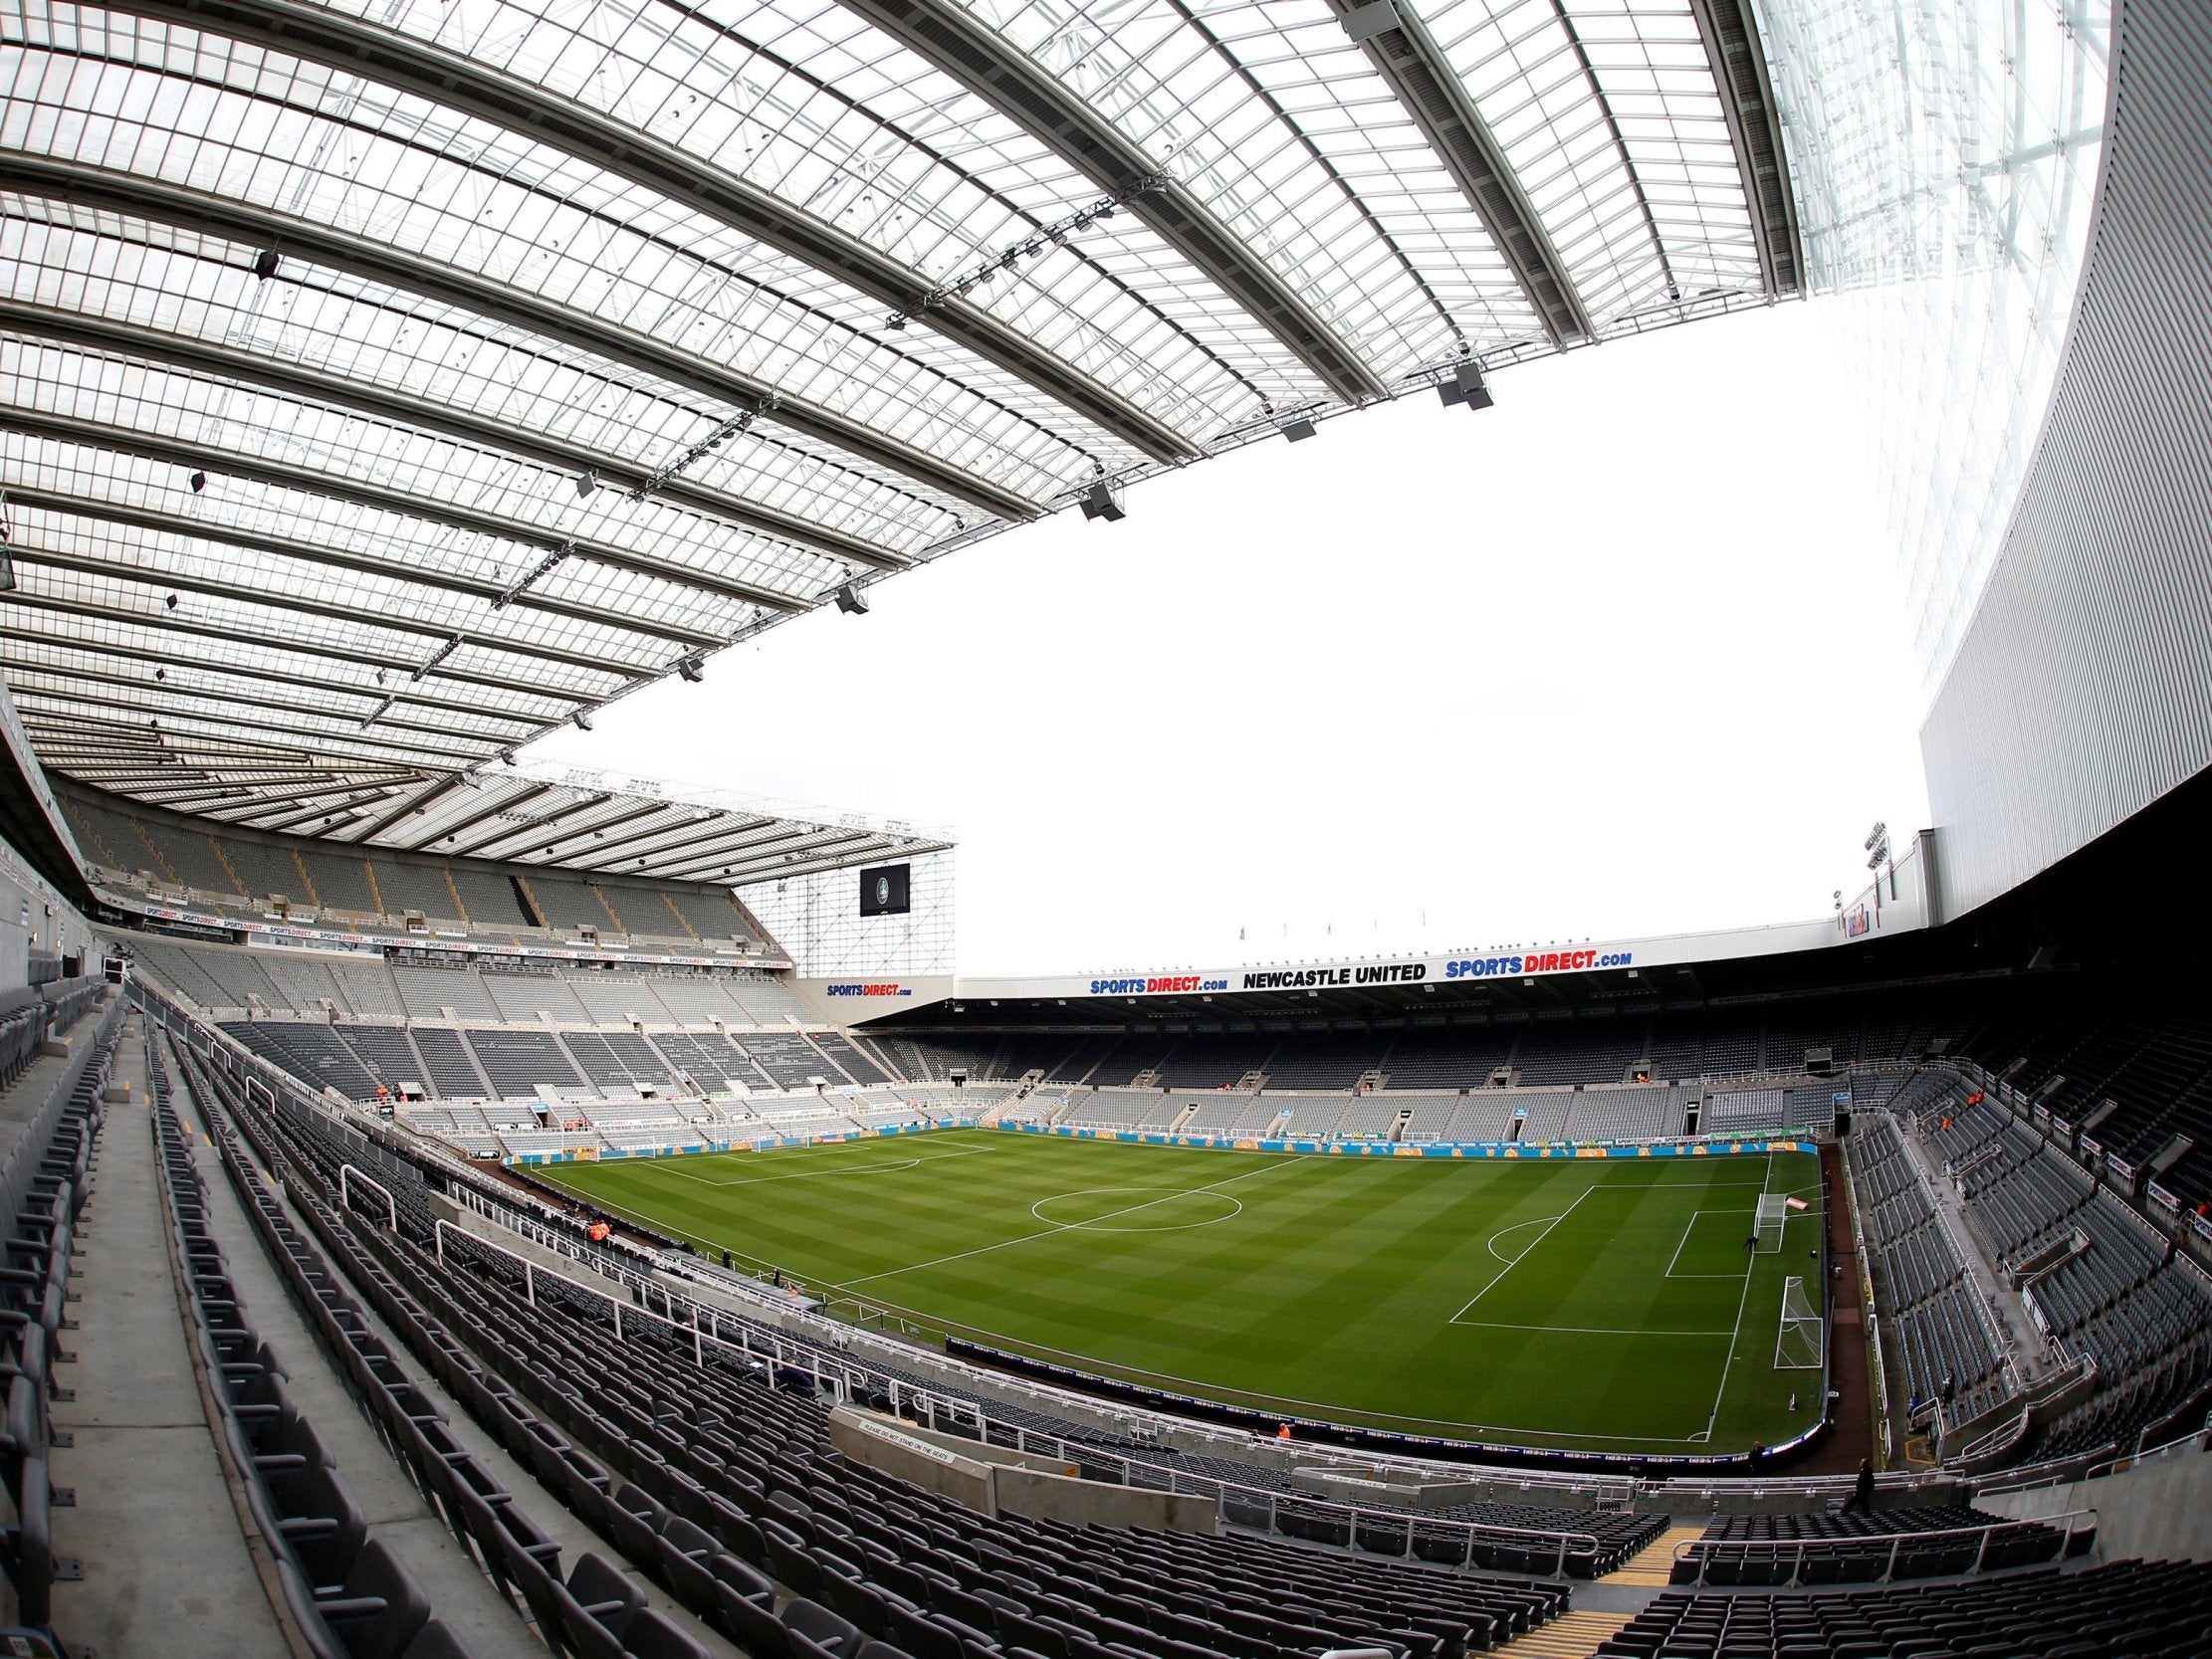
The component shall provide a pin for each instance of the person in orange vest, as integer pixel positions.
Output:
(598, 1232)
(1283, 1433)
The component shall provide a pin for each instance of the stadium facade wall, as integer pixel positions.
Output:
(2082, 691)
(35, 920)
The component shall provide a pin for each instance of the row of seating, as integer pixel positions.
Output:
(346, 1593)
(714, 1463)
(1931, 1541)
(2122, 1610)
(1675, 1045)
(239, 870)
(44, 1185)
(30, 1015)
(2116, 1297)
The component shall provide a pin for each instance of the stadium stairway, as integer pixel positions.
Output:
(1572, 1636)
(159, 1542)
(1652, 1565)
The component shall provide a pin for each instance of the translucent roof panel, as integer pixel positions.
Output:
(1610, 116)
(383, 383)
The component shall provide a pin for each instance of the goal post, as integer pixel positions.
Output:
(1798, 1344)
(1774, 1212)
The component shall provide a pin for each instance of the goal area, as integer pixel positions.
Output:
(1798, 1344)
(1774, 1212)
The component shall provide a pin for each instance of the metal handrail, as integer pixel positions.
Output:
(347, 1173)
(849, 1379)
(1706, 1551)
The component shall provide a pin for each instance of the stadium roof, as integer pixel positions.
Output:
(382, 387)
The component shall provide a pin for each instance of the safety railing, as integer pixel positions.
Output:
(1948, 1553)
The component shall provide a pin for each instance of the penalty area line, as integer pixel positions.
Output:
(1526, 1253)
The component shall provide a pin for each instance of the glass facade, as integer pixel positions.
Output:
(818, 920)
(1944, 156)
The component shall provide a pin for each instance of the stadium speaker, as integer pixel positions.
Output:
(1467, 386)
(1103, 500)
(1843, 1123)
(852, 601)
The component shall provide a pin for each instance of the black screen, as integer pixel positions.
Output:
(884, 891)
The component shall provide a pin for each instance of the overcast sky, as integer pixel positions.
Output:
(1623, 655)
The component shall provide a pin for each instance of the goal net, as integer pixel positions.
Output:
(1798, 1344)
(1774, 1210)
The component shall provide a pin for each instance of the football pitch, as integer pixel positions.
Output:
(1588, 1304)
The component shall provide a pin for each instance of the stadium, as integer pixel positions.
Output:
(463, 1201)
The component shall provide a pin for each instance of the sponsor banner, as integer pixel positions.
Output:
(868, 988)
(2164, 1199)
(1424, 1149)
(1352, 975)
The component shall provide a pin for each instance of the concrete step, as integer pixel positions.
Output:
(1574, 1635)
(1655, 1560)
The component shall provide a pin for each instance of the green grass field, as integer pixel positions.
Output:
(1604, 1305)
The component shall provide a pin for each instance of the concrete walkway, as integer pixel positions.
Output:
(166, 1565)
(2021, 1343)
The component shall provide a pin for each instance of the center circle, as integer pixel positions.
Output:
(1134, 1209)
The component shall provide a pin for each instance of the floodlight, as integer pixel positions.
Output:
(585, 483)
(851, 600)
(582, 719)
(6, 573)
(170, 601)
(690, 670)
(266, 263)
(1298, 431)
(198, 482)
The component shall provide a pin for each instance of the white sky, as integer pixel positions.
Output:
(1623, 655)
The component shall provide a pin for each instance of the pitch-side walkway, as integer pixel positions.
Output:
(167, 1564)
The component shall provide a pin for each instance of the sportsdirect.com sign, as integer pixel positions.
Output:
(1526, 964)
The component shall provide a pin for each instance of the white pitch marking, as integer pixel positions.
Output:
(1573, 1329)
(1490, 1243)
(1686, 1231)
(1071, 1226)
(854, 1170)
(1526, 1253)
(1735, 1335)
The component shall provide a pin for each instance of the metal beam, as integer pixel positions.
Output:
(303, 648)
(622, 846)
(418, 802)
(505, 803)
(217, 362)
(1406, 56)
(450, 77)
(338, 558)
(194, 456)
(413, 697)
(246, 593)
(963, 47)
(308, 742)
(344, 809)
(138, 197)
(105, 676)
(514, 855)
(1739, 65)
